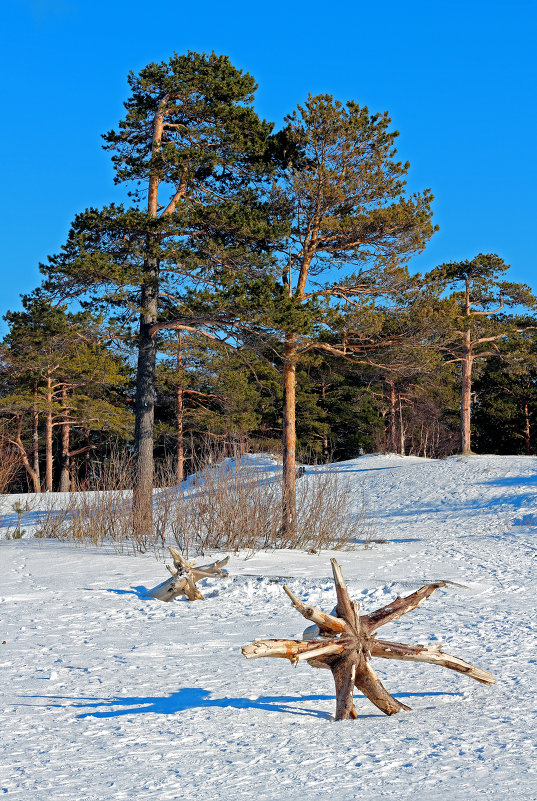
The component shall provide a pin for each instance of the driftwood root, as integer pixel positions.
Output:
(344, 641)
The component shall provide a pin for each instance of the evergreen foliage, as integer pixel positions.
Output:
(259, 281)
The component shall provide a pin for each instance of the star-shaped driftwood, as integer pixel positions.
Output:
(184, 577)
(347, 641)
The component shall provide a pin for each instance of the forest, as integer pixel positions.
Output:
(251, 292)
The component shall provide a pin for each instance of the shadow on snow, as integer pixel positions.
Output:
(197, 698)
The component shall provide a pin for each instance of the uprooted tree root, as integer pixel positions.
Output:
(184, 577)
(347, 641)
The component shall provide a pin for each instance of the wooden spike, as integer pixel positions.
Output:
(344, 605)
(292, 649)
(323, 620)
(325, 650)
(344, 673)
(398, 608)
(431, 654)
(178, 559)
(369, 683)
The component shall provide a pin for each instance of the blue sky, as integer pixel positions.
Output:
(459, 81)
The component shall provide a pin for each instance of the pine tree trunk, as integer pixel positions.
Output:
(289, 437)
(145, 408)
(527, 429)
(65, 482)
(466, 380)
(466, 397)
(326, 449)
(48, 437)
(26, 462)
(393, 428)
(142, 495)
(36, 478)
(401, 429)
(180, 453)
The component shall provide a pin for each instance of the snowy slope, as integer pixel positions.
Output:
(110, 695)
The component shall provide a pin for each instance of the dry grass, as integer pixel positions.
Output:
(230, 505)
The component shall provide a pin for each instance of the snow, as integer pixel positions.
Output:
(112, 695)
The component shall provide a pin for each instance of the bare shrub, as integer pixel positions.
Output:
(230, 505)
(324, 520)
(10, 466)
(53, 521)
(103, 514)
(227, 508)
(238, 507)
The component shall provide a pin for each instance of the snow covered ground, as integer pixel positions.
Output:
(111, 695)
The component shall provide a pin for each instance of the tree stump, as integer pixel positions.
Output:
(347, 641)
(184, 577)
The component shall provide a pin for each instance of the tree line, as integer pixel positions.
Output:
(255, 291)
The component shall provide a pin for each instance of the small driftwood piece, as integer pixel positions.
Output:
(346, 641)
(184, 577)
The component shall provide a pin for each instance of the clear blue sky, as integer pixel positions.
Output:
(458, 78)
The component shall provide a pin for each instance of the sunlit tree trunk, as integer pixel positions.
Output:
(24, 458)
(142, 499)
(289, 436)
(145, 408)
(401, 429)
(466, 395)
(48, 436)
(36, 478)
(65, 476)
(392, 447)
(179, 411)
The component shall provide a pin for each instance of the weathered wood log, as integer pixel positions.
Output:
(184, 577)
(294, 650)
(343, 642)
(431, 654)
(323, 620)
(369, 683)
(169, 590)
(399, 607)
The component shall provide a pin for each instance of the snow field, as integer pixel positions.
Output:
(110, 695)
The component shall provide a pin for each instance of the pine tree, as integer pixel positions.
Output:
(56, 365)
(348, 210)
(473, 318)
(505, 407)
(191, 143)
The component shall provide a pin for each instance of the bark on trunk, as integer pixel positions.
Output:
(392, 448)
(466, 379)
(401, 429)
(142, 496)
(527, 430)
(289, 437)
(36, 478)
(145, 408)
(466, 398)
(33, 476)
(326, 448)
(48, 436)
(180, 454)
(65, 476)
